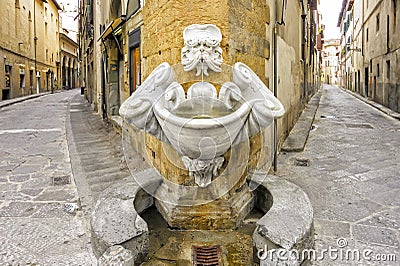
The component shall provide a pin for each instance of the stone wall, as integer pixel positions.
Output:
(242, 24)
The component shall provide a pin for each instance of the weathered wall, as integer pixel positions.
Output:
(242, 24)
(164, 22)
(380, 53)
(17, 43)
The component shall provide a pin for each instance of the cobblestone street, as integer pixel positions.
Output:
(56, 151)
(352, 177)
(38, 223)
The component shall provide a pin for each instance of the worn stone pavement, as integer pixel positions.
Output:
(36, 186)
(352, 180)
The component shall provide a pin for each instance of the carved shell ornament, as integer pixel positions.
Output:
(201, 50)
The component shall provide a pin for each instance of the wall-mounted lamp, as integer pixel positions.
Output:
(356, 49)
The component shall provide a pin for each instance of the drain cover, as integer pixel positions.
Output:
(301, 162)
(206, 255)
(61, 180)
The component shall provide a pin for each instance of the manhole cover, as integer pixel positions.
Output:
(301, 162)
(61, 180)
(206, 255)
(367, 126)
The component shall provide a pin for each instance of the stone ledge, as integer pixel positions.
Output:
(115, 219)
(297, 138)
(288, 224)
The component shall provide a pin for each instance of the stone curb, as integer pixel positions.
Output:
(288, 222)
(21, 99)
(115, 219)
(297, 139)
(376, 105)
(116, 121)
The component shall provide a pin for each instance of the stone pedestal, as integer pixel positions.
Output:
(221, 205)
(226, 212)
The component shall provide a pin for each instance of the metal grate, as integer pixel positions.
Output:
(61, 180)
(206, 255)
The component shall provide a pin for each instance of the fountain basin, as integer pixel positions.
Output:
(204, 136)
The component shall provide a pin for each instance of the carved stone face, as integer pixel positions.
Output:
(202, 49)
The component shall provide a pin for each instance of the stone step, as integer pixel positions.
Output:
(103, 179)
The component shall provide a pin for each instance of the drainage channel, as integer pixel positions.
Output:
(206, 255)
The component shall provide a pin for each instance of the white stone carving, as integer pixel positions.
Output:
(202, 89)
(202, 126)
(201, 50)
(138, 108)
(203, 170)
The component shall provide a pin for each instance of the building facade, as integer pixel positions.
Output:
(29, 47)
(122, 41)
(370, 49)
(69, 61)
(330, 62)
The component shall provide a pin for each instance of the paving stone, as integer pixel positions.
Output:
(19, 178)
(353, 178)
(332, 228)
(32, 232)
(375, 235)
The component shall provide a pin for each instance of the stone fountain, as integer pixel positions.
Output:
(204, 130)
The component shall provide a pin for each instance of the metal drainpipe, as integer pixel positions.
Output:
(282, 22)
(275, 94)
(35, 43)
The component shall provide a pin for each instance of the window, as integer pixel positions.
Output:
(377, 22)
(47, 54)
(366, 35)
(45, 29)
(388, 69)
(133, 6)
(7, 69)
(377, 70)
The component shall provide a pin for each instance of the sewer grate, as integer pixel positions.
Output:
(367, 126)
(301, 162)
(206, 255)
(61, 180)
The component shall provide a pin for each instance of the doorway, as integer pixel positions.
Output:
(134, 60)
(135, 69)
